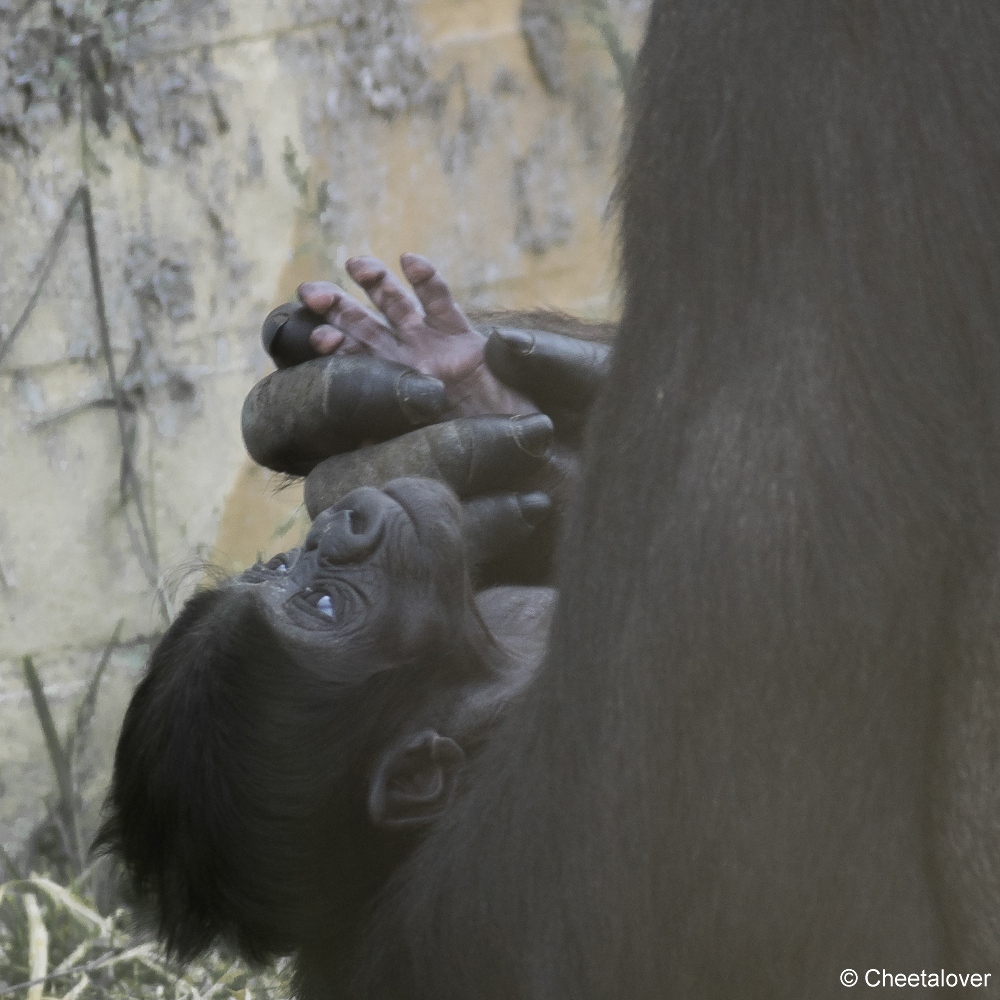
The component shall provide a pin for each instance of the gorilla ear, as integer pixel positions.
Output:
(414, 780)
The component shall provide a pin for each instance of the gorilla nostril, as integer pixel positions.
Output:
(350, 530)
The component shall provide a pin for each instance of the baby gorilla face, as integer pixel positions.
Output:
(380, 572)
(294, 718)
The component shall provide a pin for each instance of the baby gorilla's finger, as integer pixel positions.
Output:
(318, 295)
(347, 314)
(553, 370)
(389, 295)
(442, 311)
(473, 455)
(295, 417)
(325, 339)
(492, 525)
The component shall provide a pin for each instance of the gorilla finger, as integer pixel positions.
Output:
(440, 307)
(493, 524)
(355, 320)
(550, 368)
(325, 339)
(473, 455)
(389, 295)
(296, 417)
(286, 334)
(480, 455)
(318, 296)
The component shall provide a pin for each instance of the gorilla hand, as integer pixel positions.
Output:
(317, 407)
(425, 329)
(430, 366)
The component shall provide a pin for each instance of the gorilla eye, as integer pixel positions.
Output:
(321, 601)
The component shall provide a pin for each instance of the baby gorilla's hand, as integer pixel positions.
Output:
(426, 331)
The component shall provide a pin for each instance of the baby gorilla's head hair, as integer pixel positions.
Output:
(238, 801)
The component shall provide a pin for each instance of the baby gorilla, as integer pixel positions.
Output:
(300, 725)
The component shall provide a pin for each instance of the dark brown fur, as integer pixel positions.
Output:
(755, 755)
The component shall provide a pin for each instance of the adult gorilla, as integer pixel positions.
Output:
(762, 749)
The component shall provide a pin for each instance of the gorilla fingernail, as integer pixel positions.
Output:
(533, 433)
(421, 397)
(535, 507)
(519, 341)
(273, 323)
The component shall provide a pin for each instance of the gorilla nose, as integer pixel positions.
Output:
(352, 528)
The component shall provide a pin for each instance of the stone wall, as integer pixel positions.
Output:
(232, 150)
